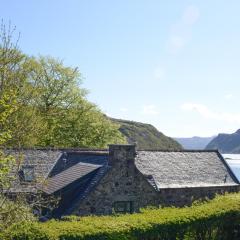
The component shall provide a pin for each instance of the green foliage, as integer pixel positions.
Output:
(11, 80)
(15, 68)
(217, 219)
(146, 136)
(7, 107)
(9, 59)
(67, 118)
(12, 212)
(44, 104)
(41, 103)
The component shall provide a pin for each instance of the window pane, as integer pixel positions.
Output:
(123, 207)
(28, 173)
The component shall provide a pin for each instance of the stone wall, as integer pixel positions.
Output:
(185, 196)
(123, 182)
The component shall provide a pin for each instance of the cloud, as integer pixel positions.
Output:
(150, 110)
(181, 30)
(207, 113)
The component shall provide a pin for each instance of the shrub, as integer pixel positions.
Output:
(217, 219)
(14, 211)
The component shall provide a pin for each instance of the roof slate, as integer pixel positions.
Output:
(163, 169)
(59, 167)
(71, 158)
(42, 160)
(185, 168)
(68, 176)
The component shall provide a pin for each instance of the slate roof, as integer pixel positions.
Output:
(163, 169)
(54, 169)
(42, 160)
(70, 158)
(68, 176)
(175, 169)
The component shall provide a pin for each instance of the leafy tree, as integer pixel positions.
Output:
(69, 119)
(16, 92)
(6, 109)
(51, 108)
(41, 103)
(9, 87)
(26, 124)
(11, 76)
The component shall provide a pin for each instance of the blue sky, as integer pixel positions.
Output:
(174, 64)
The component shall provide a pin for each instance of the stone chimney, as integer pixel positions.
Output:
(121, 154)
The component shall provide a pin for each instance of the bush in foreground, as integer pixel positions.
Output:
(217, 219)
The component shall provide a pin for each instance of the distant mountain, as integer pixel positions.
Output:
(194, 142)
(226, 143)
(146, 136)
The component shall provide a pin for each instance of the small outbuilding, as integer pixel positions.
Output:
(121, 179)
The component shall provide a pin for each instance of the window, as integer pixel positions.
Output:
(92, 210)
(28, 173)
(123, 207)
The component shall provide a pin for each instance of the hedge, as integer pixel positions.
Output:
(216, 219)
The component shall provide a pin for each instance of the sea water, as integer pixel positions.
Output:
(233, 161)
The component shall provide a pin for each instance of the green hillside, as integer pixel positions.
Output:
(146, 136)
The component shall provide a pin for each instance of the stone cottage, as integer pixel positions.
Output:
(121, 179)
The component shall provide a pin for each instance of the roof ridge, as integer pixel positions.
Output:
(105, 150)
(178, 150)
(56, 149)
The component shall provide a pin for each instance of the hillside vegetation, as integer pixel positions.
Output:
(216, 219)
(146, 136)
(226, 143)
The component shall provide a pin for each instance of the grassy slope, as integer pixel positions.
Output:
(146, 136)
